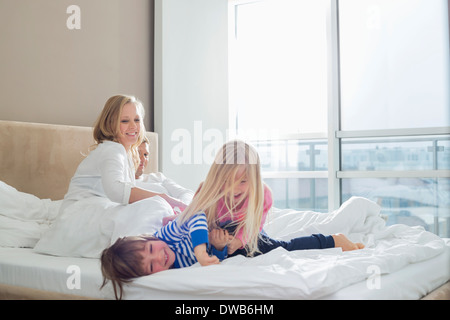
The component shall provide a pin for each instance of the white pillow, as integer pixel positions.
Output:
(23, 217)
(19, 234)
(87, 227)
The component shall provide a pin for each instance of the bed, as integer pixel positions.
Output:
(38, 160)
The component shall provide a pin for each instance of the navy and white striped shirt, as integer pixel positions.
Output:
(182, 239)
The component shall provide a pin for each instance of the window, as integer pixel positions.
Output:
(394, 64)
(395, 153)
(400, 174)
(347, 98)
(411, 201)
(278, 63)
(394, 86)
(296, 171)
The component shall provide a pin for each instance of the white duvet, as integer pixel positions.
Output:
(307, 274)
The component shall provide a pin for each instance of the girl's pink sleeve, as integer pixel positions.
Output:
(267, 205)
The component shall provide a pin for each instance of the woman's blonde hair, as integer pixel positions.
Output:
(221, 182)
(107, 126)
(122, 262)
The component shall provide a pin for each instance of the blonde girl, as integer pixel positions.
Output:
(234, 197)
(236, 163)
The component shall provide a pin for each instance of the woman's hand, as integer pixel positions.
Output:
(203, 257)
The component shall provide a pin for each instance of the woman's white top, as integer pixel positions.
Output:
(106, 172)
(95, 210)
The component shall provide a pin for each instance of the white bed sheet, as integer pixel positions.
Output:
(410, 283)
(26, 268)
(77, 276)
(305, 274)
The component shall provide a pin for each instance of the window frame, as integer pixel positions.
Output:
(335, 135)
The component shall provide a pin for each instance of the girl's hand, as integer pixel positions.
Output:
(202, 256)
(219, 238)
(233, 244)
(343, 242)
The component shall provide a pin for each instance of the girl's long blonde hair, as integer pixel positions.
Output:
(107, 126)
(221, 182)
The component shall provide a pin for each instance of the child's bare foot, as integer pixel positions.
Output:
(343, 242)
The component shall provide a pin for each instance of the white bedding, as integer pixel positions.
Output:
(24, 267)
(24, 218)
(409, 283)
(307, 274)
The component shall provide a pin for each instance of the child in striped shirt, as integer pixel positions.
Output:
(176, 245)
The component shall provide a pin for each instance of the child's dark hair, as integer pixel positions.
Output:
(122, 262)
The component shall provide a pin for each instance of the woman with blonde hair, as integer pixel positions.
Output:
(103, 196)
(109, 170)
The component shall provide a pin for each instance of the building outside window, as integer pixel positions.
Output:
(347, 98)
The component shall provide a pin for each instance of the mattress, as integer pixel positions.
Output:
(82, 276)
(68, 275)
(303, 274)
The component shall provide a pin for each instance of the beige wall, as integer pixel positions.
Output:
(50, 74)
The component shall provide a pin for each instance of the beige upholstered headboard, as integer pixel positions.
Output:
(41, 158)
